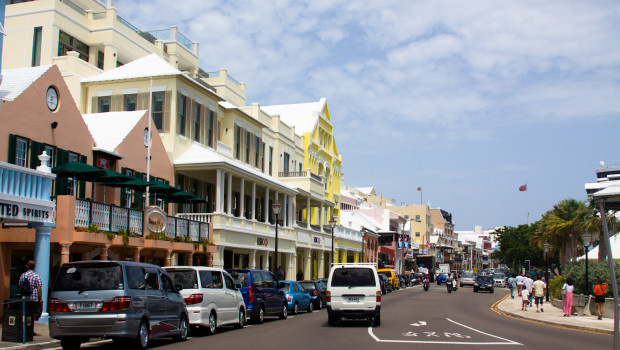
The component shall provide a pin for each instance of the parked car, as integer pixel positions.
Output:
(467, 278)
(297, 296)
(211, 296)
(121, 300)
(353, 292)
(261, 294)
(386, 286)
(323, 291)
(392, 276)
(499, 279)
(483, 283)
(314, 288)
(441, 278)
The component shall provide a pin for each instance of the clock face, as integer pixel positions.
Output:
(52, 98)
(146, 137)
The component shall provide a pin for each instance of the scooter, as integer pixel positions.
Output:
(426, 284)
(455, 285)
(449, 287)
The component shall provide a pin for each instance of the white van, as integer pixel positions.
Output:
(353, 292)
(212, 298)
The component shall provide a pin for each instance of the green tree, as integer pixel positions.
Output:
(515, 246)
(577, 271)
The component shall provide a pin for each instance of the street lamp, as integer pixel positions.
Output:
(363, 243)
(546, 247)
(276, 211)
(332, 224)
(586, 238)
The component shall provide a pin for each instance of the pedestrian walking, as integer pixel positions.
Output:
(527, 284)
(511, 285)
(567, 297)
(600, 290)
(539, 289)
(519, 281)
(30, 287)
(300, 275)
(525, 299)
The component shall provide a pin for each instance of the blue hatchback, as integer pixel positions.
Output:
(297, 297)
(441, 278)
(261, 294)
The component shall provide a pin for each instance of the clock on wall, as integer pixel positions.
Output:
(52, 98)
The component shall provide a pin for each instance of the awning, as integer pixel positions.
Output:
(183, 197)
(160, 187)
(112, 176)
(135, 184)
(78, 171)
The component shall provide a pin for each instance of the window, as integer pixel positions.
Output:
(151, 280)
(285, 160)
(353, 277)
(103, 104)
(158, 110)
(262, 158)
(210, 127)
(130, 102)
(247, 147)
(256, 151)
(100, 60)
(237, 142)
(128, 191)
(417, 234)
(135, 277)
(21, 151)
(197, 126)
(166, 283)
(36, 47)
(229, 283)
(72, 185)
(301, 167)
(270, 160)
(68, 43)
(51, 151)
(182, 114)
(417, 218)
(211, 279)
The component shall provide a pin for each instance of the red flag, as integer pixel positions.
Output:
(523, 188)
(419, 188)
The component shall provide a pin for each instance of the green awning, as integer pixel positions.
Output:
(112, 176)
(78, 171)
(135, 184)
(183, 197)
(160, 187)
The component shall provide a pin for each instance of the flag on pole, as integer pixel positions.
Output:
(419, 188)
(523, 188)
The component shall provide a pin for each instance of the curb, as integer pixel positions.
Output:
(34, 346)
(553, 323)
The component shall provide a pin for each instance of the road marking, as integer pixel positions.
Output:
(429, 334)
(418, 324)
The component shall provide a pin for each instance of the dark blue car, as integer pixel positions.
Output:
(441, 278)
(261, 294)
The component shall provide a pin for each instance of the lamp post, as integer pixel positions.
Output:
(276, 211)
(363, 244)
(546, 247)
(332, 224)
(586, 238)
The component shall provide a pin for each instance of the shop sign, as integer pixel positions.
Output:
(25, 212)
(103, 162)
(262, 241)
(316, 239)
(155, 220)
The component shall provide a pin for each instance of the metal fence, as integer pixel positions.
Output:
(107, 217)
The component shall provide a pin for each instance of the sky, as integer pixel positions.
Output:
(467, 99)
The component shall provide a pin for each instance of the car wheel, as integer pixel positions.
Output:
(212, 328)
(295, 309)
(332, 319)
(310, 306)
(377, 321)
(183, 329)
(143, 335)
(475, 290)
(491, 290)
(260, 318)
(284, 314)
(319, 306)
(241, 321)
(70, 343)
(461, 285)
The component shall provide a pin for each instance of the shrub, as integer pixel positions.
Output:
(576, 271)
(555, 286)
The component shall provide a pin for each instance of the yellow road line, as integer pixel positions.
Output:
(502, 313)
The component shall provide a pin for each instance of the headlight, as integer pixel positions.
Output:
(475, 284)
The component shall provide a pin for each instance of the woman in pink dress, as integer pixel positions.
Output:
(567, 297)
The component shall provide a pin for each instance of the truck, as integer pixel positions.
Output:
(444, 268)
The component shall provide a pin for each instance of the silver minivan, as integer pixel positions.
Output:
(126, 301)
(212, 298)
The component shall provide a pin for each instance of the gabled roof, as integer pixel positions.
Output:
(144, 67)
(356, 220)
(303, 116)
(110, 129)
(367, 190)
(16, 81)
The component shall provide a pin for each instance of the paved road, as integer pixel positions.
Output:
(410, 318)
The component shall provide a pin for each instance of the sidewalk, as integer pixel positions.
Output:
(554, 316)
(41, 340)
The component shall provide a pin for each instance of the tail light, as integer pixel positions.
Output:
(328, 294)
(378, 296)
(289, 298)
(118, 303)
(193, 299)
(56, 306)
(315, 292)
(251, 294)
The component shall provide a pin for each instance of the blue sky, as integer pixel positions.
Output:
(468, 99)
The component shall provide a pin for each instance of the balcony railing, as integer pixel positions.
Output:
(181, 227)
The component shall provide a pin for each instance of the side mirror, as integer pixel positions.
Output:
(178, 287)
(238, 285)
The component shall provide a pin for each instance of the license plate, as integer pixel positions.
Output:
(85, 306)
(353, 299)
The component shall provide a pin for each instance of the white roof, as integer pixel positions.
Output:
(303, 116)
(366, 190)
(144, 67)
(110, 129)
(356, 220)
(198, 155)
(16, 81)
(615, 249)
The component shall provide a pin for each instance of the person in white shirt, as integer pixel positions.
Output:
(527, 284)
(519, 281)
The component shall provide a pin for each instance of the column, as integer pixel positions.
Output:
(308, 213)
(109, 57)
(190, 259)
(242, 198)
(321, 216)
(253, 201)
(293, 212)
(266, 260)
(136, 254)
(229, 207)
(343, 256)
(64, 252)
(308, 264)
(167, 260)
(291, 262)
(252, 260)
(104, 252)
(284, 211)
(42, 264)
(218, 260)
(321, 263)
(218, 192)
(266, 208)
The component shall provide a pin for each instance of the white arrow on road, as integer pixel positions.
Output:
(418, 324)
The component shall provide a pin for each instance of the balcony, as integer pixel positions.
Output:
(305, 180)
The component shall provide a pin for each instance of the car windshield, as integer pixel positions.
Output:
(285, 286)
(385, 273)
(353, 277)
(483, 279)
(83, 277)
(499, 276)
(186, 278)
(468, 275)
(308, 285)
(443, 274)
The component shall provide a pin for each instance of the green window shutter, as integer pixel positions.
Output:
(36, 148)
(62, 157)
(12, 148)
(82, 184)
(138, 195)
(123, 189)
